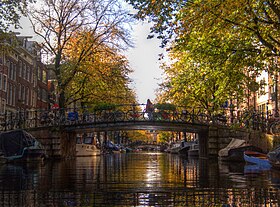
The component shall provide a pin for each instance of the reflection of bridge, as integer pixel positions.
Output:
(69, 122)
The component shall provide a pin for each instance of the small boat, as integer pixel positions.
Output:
(185, 146)
(128, 149)
(86, 145)
(174, 149)
(274, 157)
(256, 158)
(181, 147)
(194, 150)
(255, 169)
(19, 146)
(110, 147)
(234, 151)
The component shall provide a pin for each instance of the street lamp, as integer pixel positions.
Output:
(276, 96)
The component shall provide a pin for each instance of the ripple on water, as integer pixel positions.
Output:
(137, 179)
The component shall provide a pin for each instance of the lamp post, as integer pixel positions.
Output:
(276, 95)
(267, 111)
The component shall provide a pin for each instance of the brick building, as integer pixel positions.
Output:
(23, 77)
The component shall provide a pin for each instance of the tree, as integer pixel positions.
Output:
(201, 85)
(165, 136)
(58, 21)
(206, 77)
(176, 20)
(219, 47)
(101, 77)
(138, 135)
(10, 12)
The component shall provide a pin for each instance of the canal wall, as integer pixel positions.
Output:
(58, 143)
(220, 136)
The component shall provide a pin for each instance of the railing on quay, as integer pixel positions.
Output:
(25, 119)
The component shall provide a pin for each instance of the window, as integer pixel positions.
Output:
(10, 71)
(27, 96)
(20, 68)
(19, 92)
(44, 95)
(14, 96)
(39, 94)
(262, 108)
(23, 71)
(4, 83)
(33, 98)
(3, 105)
(34, 80)
(23, 94)
(31, 76)
(10, 94)
(14, 72)
(2, 59)
(8, 67)
(44, 79)
(28, 73)
(39, 74)
(1, 82)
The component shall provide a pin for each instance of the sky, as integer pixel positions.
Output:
(143, 60)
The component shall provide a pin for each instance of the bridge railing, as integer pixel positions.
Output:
(127, 113)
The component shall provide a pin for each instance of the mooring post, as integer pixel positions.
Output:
(203, 143)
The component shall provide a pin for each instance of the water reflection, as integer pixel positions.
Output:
(137, 179)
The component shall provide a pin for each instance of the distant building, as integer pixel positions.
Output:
(262, 97)
(267, 99)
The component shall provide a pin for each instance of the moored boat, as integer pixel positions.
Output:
(181, 147)
(194, 150)
(255, 169)
(234, 151)
(110, 147)
(185, 147)
(274, 157)
(256, 158)
(174, 149)
(20, 146)
(86, 145)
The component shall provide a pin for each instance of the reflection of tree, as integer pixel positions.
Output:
(140, 179)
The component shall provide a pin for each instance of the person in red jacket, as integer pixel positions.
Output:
(149, 109)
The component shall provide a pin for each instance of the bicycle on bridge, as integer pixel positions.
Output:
(130, 113)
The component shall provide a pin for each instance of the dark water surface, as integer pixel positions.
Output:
(138, 179)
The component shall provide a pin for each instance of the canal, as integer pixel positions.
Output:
(137, 179)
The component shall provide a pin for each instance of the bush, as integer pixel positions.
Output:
(165, 106)
(104, 106)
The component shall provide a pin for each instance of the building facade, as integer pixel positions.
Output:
(23, 77)
(267, 100)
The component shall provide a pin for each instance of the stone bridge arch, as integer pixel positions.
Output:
(61, 143)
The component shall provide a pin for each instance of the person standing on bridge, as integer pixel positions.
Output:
(149, 109)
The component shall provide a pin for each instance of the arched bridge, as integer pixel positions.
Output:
(129, 117)
(57, 128)
(126, 117)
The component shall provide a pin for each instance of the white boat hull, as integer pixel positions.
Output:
(83, 150)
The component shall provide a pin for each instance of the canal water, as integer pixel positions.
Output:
(137, 179)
